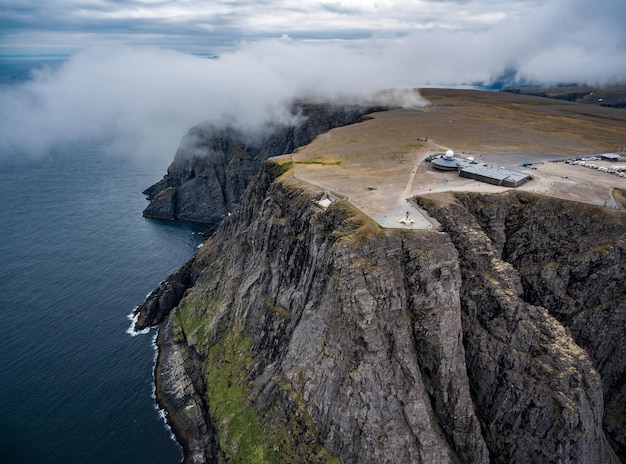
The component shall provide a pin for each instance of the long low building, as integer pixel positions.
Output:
(494, 175)
(610, 157)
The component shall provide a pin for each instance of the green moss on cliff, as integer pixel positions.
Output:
(283, 168)
(240, 435)
(194, 316)
(243, 436)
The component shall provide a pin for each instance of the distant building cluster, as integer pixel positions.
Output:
(482, 172)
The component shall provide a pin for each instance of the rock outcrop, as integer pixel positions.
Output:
(214, 165)
(299, 334)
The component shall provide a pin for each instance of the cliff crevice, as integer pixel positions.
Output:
(543, 387)
(571, 258)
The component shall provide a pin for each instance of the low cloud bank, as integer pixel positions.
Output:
(141, 101)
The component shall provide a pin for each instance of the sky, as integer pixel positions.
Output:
(62, 26)
(138, 72)
(209, 26)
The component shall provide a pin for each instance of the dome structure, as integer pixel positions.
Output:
(446, 161)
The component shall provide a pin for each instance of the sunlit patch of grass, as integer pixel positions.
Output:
(321, 162)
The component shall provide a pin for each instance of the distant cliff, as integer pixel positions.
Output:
(214, 165)
(298, 334)
(612, 96)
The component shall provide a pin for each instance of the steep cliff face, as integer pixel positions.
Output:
(505, 242)
(307, 331)
(310, 335)
(214, 165)
(571, 259)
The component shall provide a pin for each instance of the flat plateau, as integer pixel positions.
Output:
(379, 163)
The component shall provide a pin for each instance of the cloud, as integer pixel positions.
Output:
(136, 100)
(196, 25)
(142, 100)
(572, 41)
(199, 26)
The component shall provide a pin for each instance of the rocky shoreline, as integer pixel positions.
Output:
(205, 150)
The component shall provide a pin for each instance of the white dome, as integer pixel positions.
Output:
(449, 153)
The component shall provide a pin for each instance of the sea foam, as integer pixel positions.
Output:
(161, 412)
(134, 316)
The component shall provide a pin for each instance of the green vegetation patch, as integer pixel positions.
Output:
(240, 436)
(323, 163)
(194, 315)
(285, 167)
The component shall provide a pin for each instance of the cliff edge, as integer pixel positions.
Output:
(306, 333)
(312, 335)
(214, 165)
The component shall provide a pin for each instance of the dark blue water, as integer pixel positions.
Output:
(16, 69)
(75, 257)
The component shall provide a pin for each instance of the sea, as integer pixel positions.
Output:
(76, 257)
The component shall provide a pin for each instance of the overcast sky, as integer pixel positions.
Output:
(131, 75)
(545, 40)
(208, 26)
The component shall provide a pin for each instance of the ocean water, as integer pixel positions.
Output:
(76, 257)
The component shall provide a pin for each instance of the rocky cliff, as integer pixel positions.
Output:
(612, 96)
(214, 165)
(299, 334)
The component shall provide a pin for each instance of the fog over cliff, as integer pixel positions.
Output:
(142, 100)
